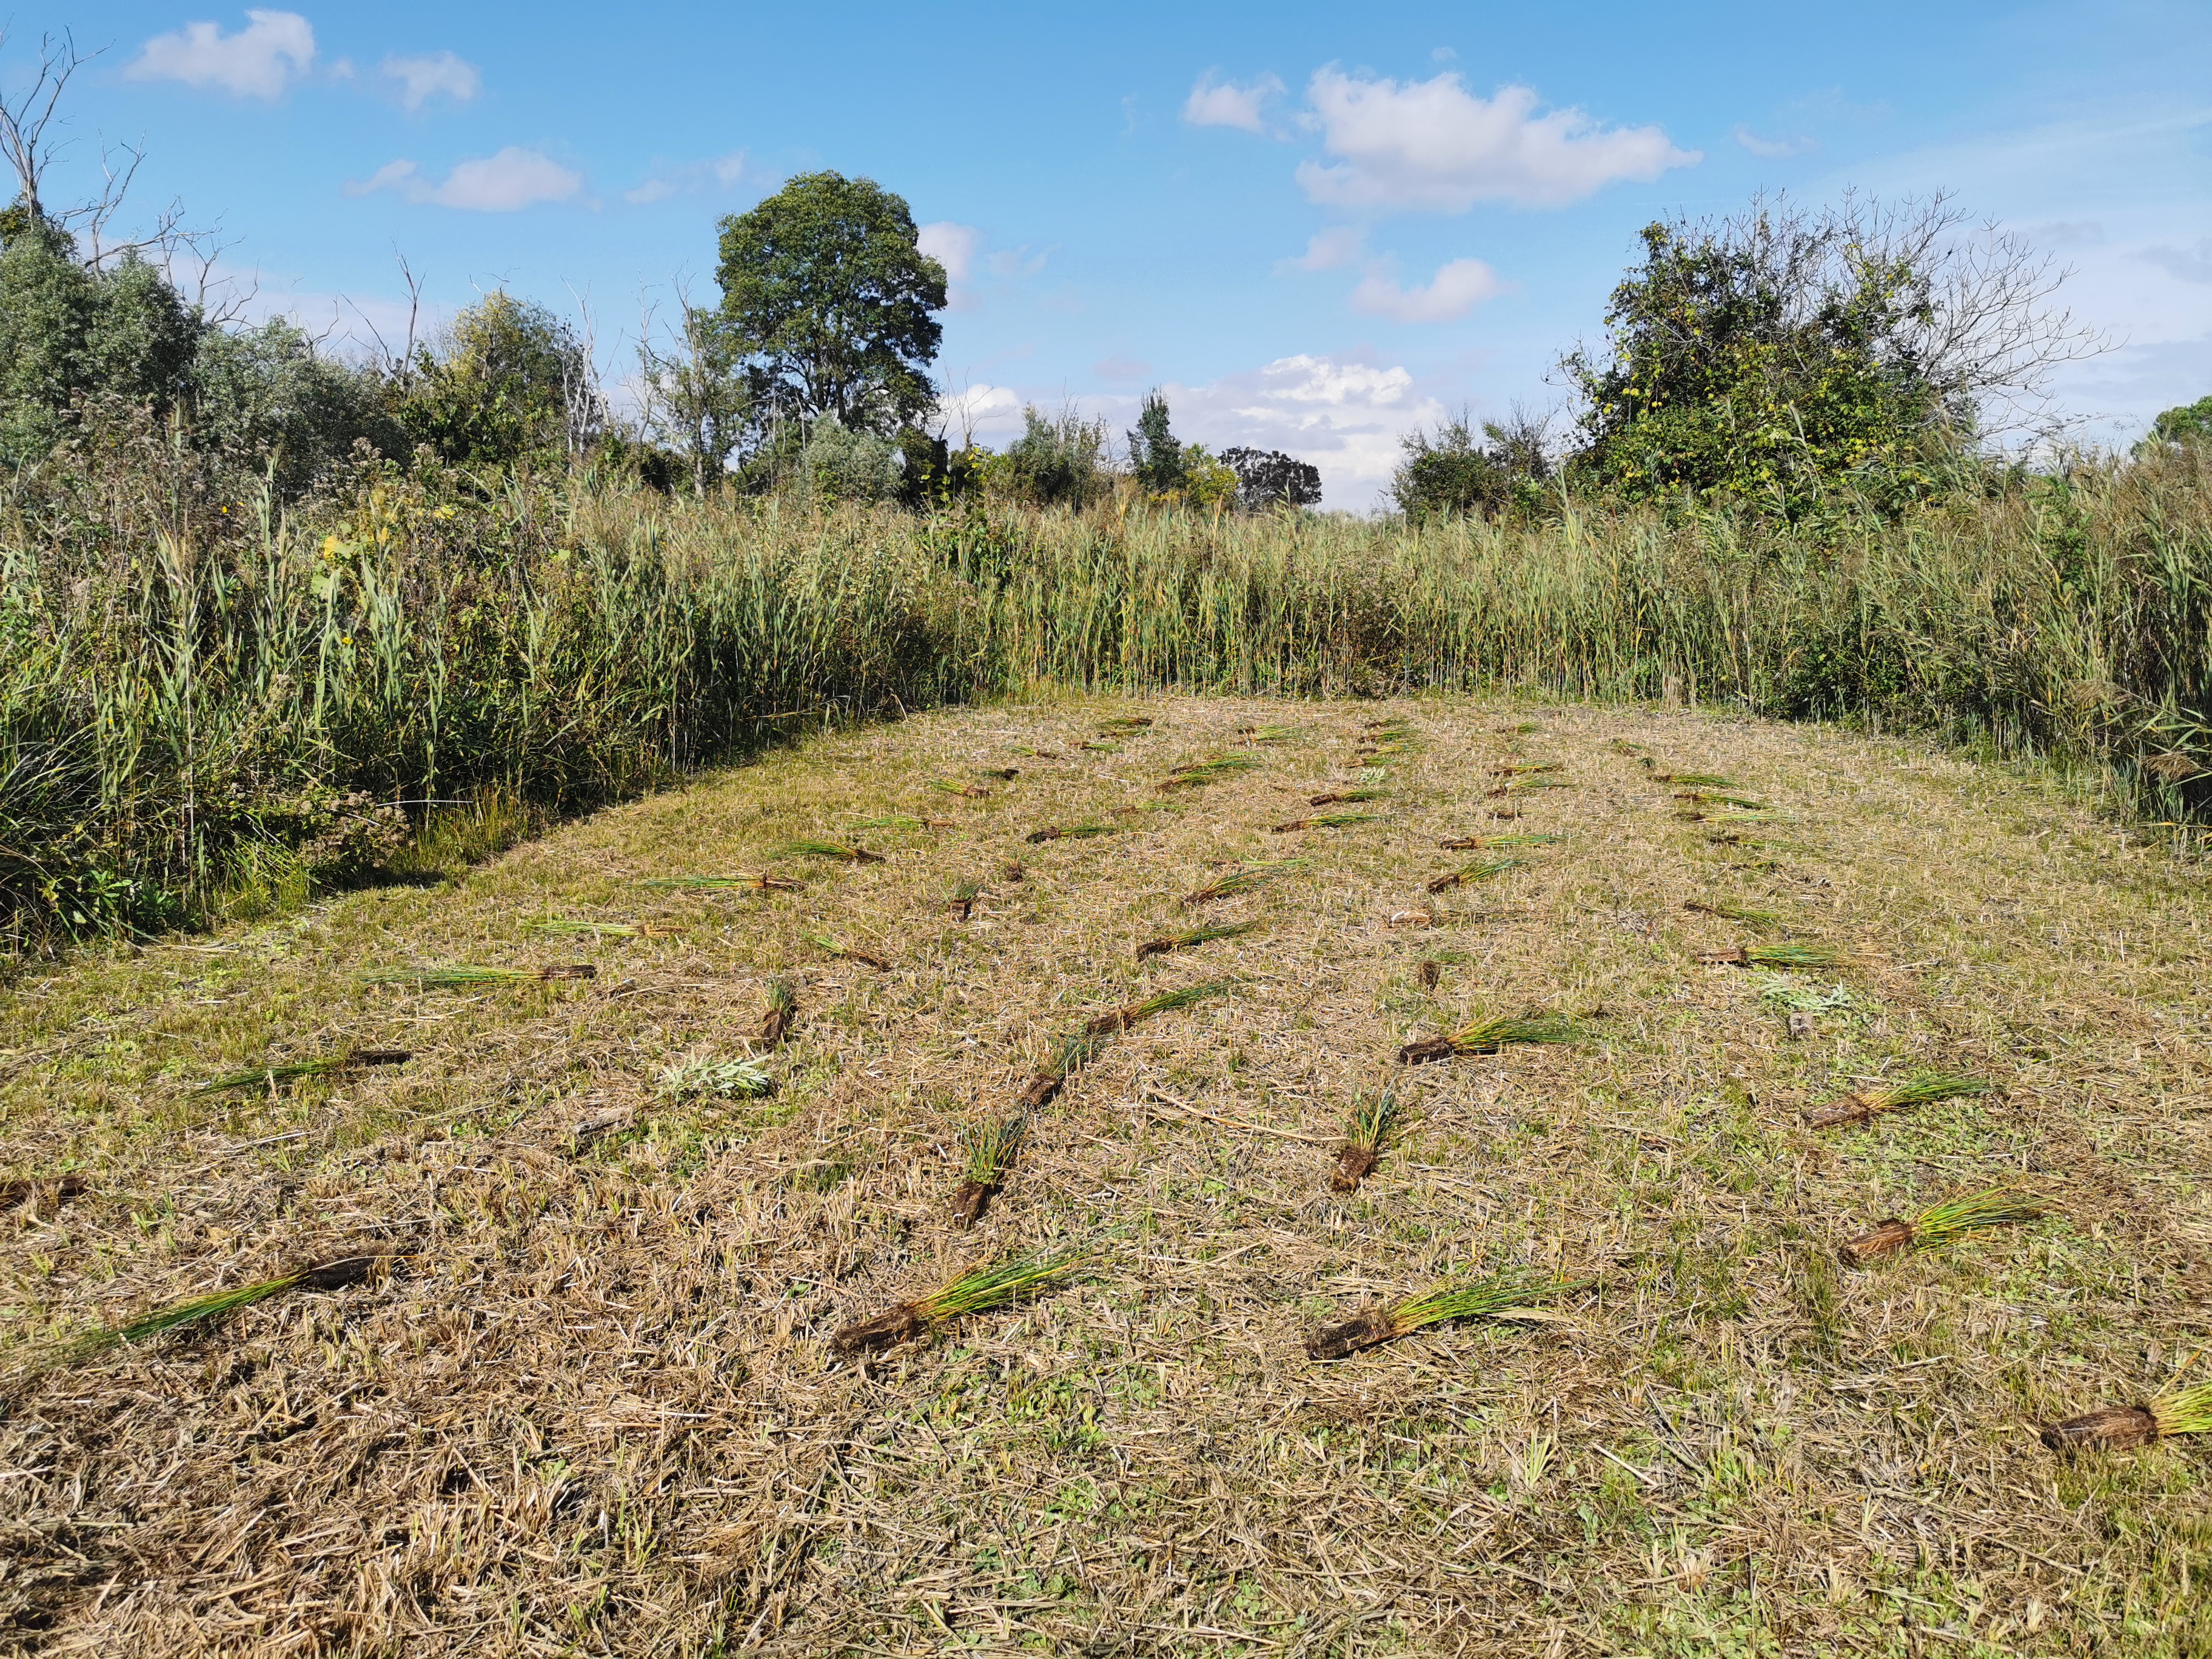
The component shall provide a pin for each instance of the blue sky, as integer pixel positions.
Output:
(1316, 226)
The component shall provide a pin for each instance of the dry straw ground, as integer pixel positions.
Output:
(591, 1408)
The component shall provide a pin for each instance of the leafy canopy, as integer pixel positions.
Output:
(511, 381)
(826, 292)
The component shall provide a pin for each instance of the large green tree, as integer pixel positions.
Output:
(509, 380)
(828, 295)
(69, 331)
(1771, 355)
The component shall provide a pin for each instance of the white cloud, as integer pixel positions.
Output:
(1772, 148)
(431, 74)
(690, 178)
(1432, 145)
(953, 245)
(986, 414)
(1456, 289)
(1343, 415)
(1216, 103)
(274, 49)
(514, 178)
(1329, 250)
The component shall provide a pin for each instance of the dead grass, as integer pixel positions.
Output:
(592, 1408)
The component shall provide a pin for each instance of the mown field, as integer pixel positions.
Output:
(585, 1399)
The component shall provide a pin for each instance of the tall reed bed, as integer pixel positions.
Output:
(188, 697)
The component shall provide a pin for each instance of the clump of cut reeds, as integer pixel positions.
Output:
(1992, 1207)
(269, 1077)
(467, 974)
(745, 882)
(1704, 797)
(960, 902)
(1072, 831)
(1373, 1120)
(1483, 1298)
(1487, 1036)
(1190, 936)
(1345, 797)
(611, 929)
(992, 1148)
(1468, 872)
(1693, 779)
(1327, 821)
(1003, 773)
(1251, 876)
(845, 852)
(1391, 748)
(1271, 734)
(2117, 1428)
(980, 1290)
(1513, 786)
(1096, 746)
(823, 943)
(1774, 956)
(965, 791)
(1131, 1013)
(1729, 910)
(1623, 746)
(1124, 724)
(202, 1309)
(1198, 774)
(901, 821)
(781, 1013)
(1526, 768)
(712, 1079)
(1921, 1089)
(1069, 1055)
(1518, 838)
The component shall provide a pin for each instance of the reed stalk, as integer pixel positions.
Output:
(1484, 1298)
(1922, 1089)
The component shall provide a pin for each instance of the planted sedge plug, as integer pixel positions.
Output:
(781, 1013)
(611, 929)
(2117, 1428)
(1468, 872)
(823, 943)
(1482, 1299)
(992, 1148)
(843, 851)
(1487, 1036)
(1518, 838)
(1373, 1120)
(1994, 1207)
(980, 1290)
(202, 1309)
(1327, 821)
(464, 974)
(269, 1077)
(1923, 1088)
(1198, 774)
(1775, 956)
(1133, 1013)
(1182, 941)
(745, 882)
(1245, 880)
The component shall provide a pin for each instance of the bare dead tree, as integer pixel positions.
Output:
(25, 118)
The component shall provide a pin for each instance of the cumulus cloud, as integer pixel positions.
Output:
(1342, 414)
(1456, 289)
(953, 245)
(690, 178)
(433, 74)
(1215, 103)
(983, 414)
(1432, 145)
(514, 178)
(274, 49)
(1329, 250)
(1772, 149)
(2183, 264)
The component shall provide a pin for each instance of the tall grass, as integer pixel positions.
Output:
(187, 694)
